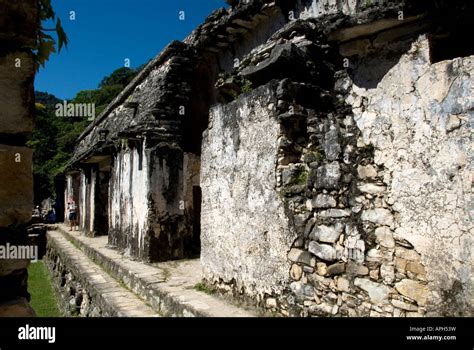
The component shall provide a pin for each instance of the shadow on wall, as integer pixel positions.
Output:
(367, 72)
(446, 34)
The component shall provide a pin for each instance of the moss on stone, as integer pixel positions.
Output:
(301, 177)
(246, 85)
(203, 287)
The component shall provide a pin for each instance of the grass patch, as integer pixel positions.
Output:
(42, 296)
(202, 287)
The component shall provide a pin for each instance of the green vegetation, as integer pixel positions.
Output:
(202, 287)
(45, 44)
(54, 138)
(313, 156)
(284, 194)
(42, 296)
(300, 177)
(53, 141)
(119, 77)
(246, 85)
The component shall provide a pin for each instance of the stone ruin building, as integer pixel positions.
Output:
(315, 154)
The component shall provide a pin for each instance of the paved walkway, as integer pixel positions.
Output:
(169, 287)
(124, 302)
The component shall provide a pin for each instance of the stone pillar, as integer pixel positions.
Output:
(19, 23)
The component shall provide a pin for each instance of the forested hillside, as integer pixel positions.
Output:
(54, 137)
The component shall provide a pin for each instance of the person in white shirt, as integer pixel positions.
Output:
(71, 208)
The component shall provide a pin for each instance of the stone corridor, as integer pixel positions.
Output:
(91, 280)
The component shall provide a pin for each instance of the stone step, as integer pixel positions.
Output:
(169, 287)
(109, 296)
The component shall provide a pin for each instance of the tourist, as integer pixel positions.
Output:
(71, 207)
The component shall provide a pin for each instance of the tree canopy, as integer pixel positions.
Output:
(54, 138)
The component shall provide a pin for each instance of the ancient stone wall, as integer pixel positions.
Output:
(320, 8)
(72, 190)
(83, 289)
(417, 120)
(372, 170)
(140, 140)
(18, 29)
(128, 213)
(334, 170)
(163, 107)
(70, 286)
(245, 232)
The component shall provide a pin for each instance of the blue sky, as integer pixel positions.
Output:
(106, 32)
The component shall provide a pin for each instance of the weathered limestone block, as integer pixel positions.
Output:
(350, 33)
(321, 201)
(326, 234)
(400, 264)
(318, 8)
(296, 272)
(336, 269)
(271, 303)
(334, 213)
(378, 293)
(16, 84)
(278, 65)
(366, 172)
(323, 251)
(371, 188)
(343, 284)
(415, 268)
(327, 176)
(321, 268)
(378, 216)
(19, 23)
(407, 254)
(355, 269)
(16, 192)
(331, 146)
(403, 305)
(301, 256)
(387, 272)
(374, 255)
(384, 237)
(323, 309)
(413, 290)
(243, 218)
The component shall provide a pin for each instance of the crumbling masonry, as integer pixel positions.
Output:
(19, 22)
(315, 153)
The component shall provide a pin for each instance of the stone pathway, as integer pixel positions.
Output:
(124, 302)
(168, 287)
